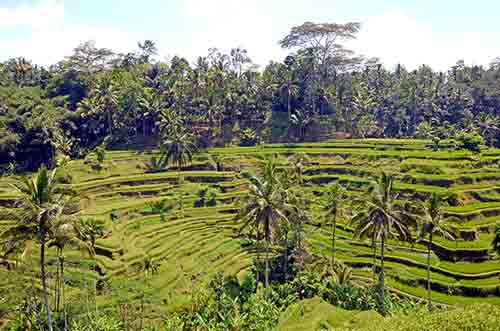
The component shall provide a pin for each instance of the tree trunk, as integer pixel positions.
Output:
(429, 294)
(334, 229)
(285, 264)
(382, 278)
(258, 260)
(267, 265)
(57, 286)
(374, 243)
(110, 123)
(43, 279)
(63, 283)
(181, 204)
(289, 104)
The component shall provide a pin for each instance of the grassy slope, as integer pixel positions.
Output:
(200, 241)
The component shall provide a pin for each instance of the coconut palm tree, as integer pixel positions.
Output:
(433, 223)
(289, 89)
(298, 214)
(178, 149)
(41, 207)
(150, 267)
(66, 232)
(89, 230)
(263, 207)
(301, 120)
(102, 101)
(335, 201)
(495, 243)
(381, 218)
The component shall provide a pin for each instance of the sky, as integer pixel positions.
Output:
(410, 32)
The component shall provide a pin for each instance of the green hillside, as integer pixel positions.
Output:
(201, 241)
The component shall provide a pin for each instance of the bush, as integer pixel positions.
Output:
(477, 317)
(248, 137)
(207, 197)
(156, 164)
(470, 141)
(96, 323)
(216, 308)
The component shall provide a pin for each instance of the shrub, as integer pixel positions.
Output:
(477, 317)
(158, 207)
(422, 168)
(470, 141)
(64, 176)
(156, 164)
(248, 137)
(96, 323)
(207, 197)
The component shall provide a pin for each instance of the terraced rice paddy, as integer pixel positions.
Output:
(197, 242)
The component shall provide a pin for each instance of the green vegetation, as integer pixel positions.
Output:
(142, 195)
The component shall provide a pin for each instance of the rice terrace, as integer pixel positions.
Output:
(324, 189)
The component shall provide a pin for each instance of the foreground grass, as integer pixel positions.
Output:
(316, 314)
(476, 317)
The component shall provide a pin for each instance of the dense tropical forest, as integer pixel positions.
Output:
(324, 192)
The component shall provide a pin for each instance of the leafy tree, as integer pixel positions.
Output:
(66, 233)
(381, 218)
(324, 40)
(178, 149)
(470, 141)
(41, 207)
(248, 137)
(159, 207)
(148, 49)
(495, 243)
(300, 120)
(88, 59)
(263, 207)
(433, 222)
(90, 229)
(335, 204)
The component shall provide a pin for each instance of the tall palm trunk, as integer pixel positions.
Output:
(43, 278)
(258, 260)
(181, 202)
(382, 277)
(266, 282)
(429, 303)
(334, 229)
(285, 262)
(374, 244)
(61, 281)
(58, 281)
(110, 122)
(289, 104)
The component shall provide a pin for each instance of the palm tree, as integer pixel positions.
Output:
(381, 218)
(151, 105)
(290, 89)
(335, 203)
(178, 149)
(150, 267)
(66, 232)
(89, 230)
(298, 214)
(495, 243)
(301, 121)
(433, 222)
(41, 206)
(263, 207)
(102, 100)
(295, 174)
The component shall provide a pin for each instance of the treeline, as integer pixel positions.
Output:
(97, 96)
